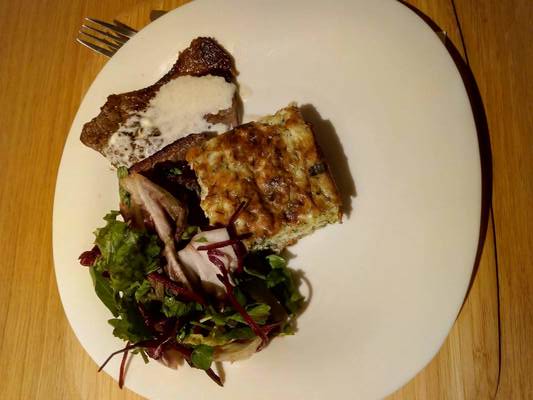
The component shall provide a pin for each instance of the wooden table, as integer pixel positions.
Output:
(43, 77)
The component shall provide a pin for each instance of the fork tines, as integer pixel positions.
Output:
(104, 37)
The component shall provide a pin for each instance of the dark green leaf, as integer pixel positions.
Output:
(289, 328)
(239, 295)
(104, 291)
(121, 329)
(142, 353)
(276, 261)
(281, 282)
(125, 197)
(189, 232)
(128, 255)
(202, 357)
(182, 333)
(275, 277)
(175, 171)
(294, 303)
(239, 334)
(219, 319)
(204, 326)
(111, 216)
(175, 308)
(259, 313)
(122, 172)
(130, 324)
(142, 291)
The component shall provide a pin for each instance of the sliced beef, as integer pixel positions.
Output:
(204, 56)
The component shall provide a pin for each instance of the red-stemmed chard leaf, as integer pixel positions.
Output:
(179, 291)
(217, 245)
(127, 348)
(236, 244)
(210, 373)
(146, 344)
(225, 279)
(88, 258)
(240, 252)
(234, 216)
(122, 370)
(187, 354)
(238, 247)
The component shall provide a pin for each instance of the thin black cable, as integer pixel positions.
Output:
(460, 31)
(498, 304)
(498, 380)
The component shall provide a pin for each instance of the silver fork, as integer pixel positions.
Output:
(104, 37)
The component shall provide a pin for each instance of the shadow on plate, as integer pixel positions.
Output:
(331, 146)
(299, 280)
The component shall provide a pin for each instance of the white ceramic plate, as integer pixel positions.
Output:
(387, 284)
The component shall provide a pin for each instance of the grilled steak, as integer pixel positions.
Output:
(203, 57)
(172, 153)
(168, 167)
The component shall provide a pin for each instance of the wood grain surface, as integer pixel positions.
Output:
(499, 43)
(43, 77)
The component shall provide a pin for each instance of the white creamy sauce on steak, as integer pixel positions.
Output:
(178, 109)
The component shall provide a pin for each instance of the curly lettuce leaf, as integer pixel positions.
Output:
(130, 326)
(279, 280)
(174, 308)
(127, 255)
(104, 291)
(259, 312)
(220, 336)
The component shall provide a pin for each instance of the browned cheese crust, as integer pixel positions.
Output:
(276, 167)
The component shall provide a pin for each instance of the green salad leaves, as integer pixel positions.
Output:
(127, 255)
(149, 312)
(202, 356)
